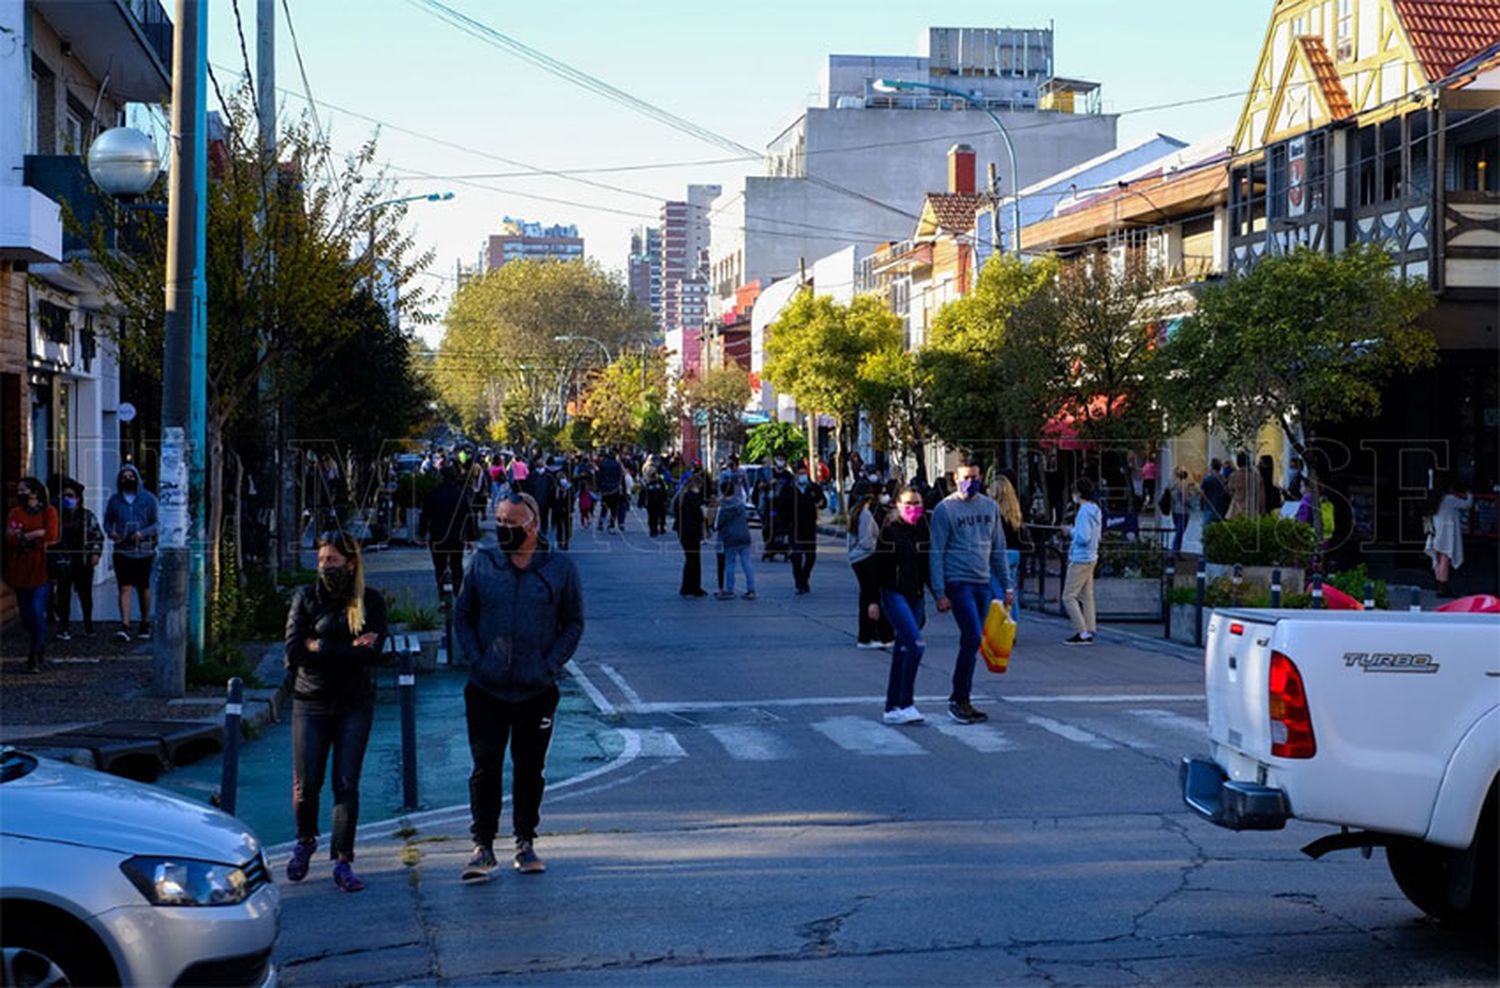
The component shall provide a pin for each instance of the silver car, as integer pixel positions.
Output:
(106, 881)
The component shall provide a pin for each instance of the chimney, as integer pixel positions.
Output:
(961, 169)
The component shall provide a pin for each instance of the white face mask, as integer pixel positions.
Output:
(885, 499)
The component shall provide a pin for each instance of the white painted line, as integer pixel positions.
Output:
(864, 736)
(980, 737)
(1109, 698)
(631, 696)
(406, 679)
(657, 743)
(1070, 732)
(74, 662)
(750, 744)
(1190, 726)
(598, 699)
(936, 700)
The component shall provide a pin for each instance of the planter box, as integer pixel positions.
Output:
(1293, 578)
(1122, 597)
(1182, 618)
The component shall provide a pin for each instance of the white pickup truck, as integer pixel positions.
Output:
(1386, 725)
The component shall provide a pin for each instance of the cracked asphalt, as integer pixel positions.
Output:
(763, 828)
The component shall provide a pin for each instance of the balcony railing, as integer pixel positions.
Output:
(156, 26)
(64, 179)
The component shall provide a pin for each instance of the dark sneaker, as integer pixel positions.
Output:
(481, 863)
(124, 635)
(527, 863)
(963, 711)
(88, 630)
(345, 878)
(724, 595)
(1079, 639)
(749, 595)
(296, 869)
(144, 631)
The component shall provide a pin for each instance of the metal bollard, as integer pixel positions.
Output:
(229, 777)
(1166, 602)
(1415, 604)
(448, 621)
(1317, 591)
(1369, 595)
(1239, 578)
(1276, 587)
(406, 689)
(1198, 608)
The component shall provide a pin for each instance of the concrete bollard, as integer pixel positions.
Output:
(1276, 587)
(1415, 605)
(1239, 578)
(1317, 591)
(448, 622)
(1170, 576)
(229, 776)
(406, 690)
(1369, 595)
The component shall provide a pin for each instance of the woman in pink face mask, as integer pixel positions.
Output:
(904, 577)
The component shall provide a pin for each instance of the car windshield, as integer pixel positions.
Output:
(15, 764)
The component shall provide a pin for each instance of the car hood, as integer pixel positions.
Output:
(62, 802)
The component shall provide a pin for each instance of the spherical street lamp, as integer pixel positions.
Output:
(124, 162)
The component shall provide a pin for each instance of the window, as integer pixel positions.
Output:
(1473, 166)
(1366, 163)
(1392, 181)
(1317, 185)
(1344, 48)
(1278, 181)
(32, 132)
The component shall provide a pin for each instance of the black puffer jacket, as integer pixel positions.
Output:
(901, 557)
(337, 671)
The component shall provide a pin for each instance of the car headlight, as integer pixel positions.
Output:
(185, 882)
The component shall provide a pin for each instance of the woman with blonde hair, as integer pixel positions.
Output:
(335, 632)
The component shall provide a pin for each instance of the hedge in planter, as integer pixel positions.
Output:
(1263, 540)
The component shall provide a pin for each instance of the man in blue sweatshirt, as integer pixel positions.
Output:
(518, 620)
(968, 552)
(1083, 555)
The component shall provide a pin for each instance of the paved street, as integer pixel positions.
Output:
(761, 825)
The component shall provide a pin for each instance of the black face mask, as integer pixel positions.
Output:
(128, 486)
(510, 537)
(337, 580)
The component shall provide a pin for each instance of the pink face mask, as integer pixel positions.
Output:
(911, 513)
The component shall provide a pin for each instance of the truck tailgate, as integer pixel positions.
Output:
(1389, 697)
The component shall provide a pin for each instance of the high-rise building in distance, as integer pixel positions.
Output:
(522, 240)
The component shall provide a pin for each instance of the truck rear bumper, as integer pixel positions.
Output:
(1234, 805)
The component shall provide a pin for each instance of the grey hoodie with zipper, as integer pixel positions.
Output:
(517, 628)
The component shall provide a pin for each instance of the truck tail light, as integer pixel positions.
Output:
(1291, 723)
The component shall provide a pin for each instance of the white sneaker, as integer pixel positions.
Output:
(890, 644)
(867, 645)
(895, 716)
(911, 714)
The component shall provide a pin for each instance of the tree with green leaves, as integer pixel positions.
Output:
(626, 402)
(893, 392)
(719, 395)
(981, 385)
(502, 347)
(816, 348)
(287, 260)
(1299, 339)
(769, 440)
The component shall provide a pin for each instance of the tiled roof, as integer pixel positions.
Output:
(953, 211)
(1444, 33)
(1327, 76)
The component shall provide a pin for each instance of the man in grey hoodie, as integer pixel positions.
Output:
(518, 620)
(130, 523)
(968, 555)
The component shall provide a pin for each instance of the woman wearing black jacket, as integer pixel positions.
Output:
(689, 525)
(335, 632)
(901, 567)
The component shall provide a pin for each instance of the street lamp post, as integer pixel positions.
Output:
(377, 207)
(905, 86)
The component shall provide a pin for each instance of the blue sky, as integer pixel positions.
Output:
(741, 69)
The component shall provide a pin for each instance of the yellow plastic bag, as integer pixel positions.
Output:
(999, 637)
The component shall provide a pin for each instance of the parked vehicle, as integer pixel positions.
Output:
(107, 881)
(1384, 724)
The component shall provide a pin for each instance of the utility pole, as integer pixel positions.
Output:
(994, 213)
(184, 324)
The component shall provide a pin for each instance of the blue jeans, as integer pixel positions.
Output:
(906, 616)
(969, 603)
(1180, 526)
(33, 601)
(738, 555)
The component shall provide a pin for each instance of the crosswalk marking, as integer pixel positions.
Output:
(657, 743)
(1070, 732)
(980, 737)
(750, 744)
(864, 736)
(1174, 721)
